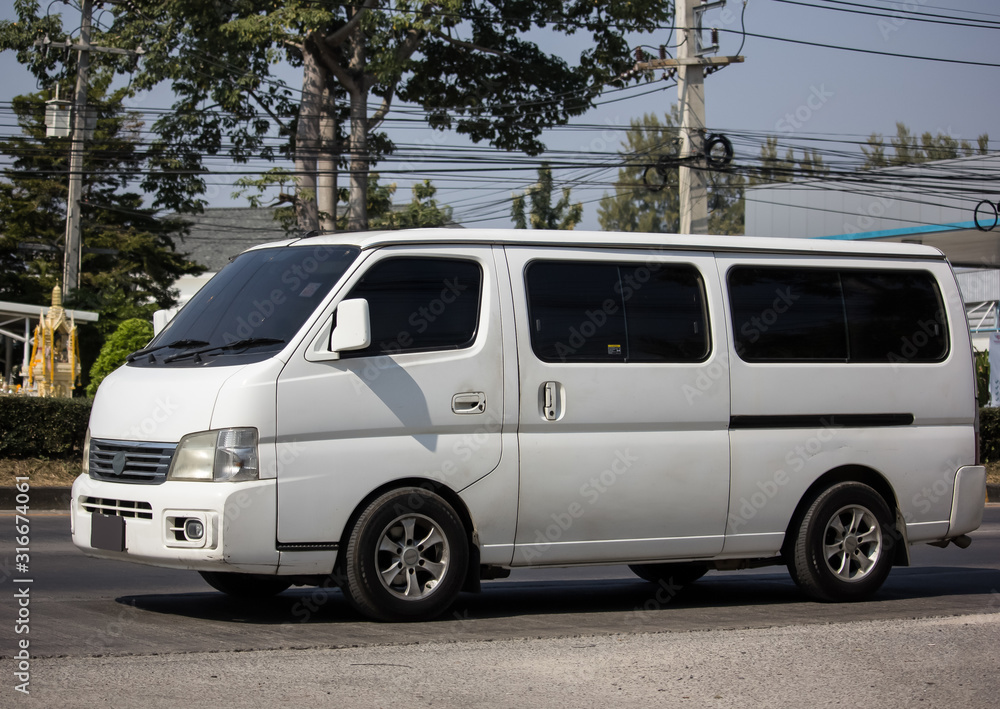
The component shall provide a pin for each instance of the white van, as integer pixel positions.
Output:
(409, 412)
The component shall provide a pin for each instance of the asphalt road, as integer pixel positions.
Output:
(84, 606)
(120, 634)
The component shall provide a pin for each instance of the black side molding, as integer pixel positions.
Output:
(821, 421)
(307, 546)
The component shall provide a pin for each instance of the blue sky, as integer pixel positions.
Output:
(795, 92)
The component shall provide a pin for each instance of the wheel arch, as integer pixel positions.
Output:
(443, 491)
(848, 473)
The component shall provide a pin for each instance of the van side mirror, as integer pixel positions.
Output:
(354, 329)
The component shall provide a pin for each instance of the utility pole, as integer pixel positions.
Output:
(71, 261)
(80, 133)
(692, 185)
(690, 65)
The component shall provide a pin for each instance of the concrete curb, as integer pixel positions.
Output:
(39, 498)
(57, 498)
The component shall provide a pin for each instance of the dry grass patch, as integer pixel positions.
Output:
(39, 471)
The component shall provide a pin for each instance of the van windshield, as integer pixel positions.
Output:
(250, 309)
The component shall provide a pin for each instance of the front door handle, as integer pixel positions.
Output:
(551, 401)
(470, 402)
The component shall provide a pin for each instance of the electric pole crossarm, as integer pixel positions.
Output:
(687, 61)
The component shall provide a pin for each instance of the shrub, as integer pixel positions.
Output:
(989, 434)
(983, 377)
(130, 336)
(42, 428)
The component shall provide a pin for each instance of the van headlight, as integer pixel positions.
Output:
(229, 454)
(86, 453)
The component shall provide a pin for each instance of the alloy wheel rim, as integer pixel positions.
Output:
(412, 557)
(852, 543)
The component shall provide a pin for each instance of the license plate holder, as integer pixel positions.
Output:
(107, 532)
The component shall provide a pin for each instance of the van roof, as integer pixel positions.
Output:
(680, 242)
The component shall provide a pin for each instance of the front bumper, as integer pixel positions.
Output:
(239, 522)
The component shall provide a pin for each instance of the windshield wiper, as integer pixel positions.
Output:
(176, 343)
(239, 344)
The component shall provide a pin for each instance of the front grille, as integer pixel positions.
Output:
(118, 508)
(130, 462)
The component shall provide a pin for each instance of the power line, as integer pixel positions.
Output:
(930, 19)
(862, 51)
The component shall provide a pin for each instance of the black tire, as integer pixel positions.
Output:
(678, 574)
(245, 586)
(407, 556)
(844, 545)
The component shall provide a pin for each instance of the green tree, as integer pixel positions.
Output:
(131, 335)
(786, 169)
(545, 215)
(634, 206)
(422, 211)
(908, 149)
(469, 65)
(130, 259)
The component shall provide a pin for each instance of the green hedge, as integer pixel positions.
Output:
(989, 434)
(42, 428)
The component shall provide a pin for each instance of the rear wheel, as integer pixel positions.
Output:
(407, 556)
(844, 547)
(247, 586)
(680, 574)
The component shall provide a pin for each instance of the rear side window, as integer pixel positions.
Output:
(837, 315)
(601, 312)
(420, 304)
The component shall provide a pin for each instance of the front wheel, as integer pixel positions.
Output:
(245, 586)
(407, 556)
(844, 547)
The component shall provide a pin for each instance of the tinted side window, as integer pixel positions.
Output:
(420, 304)
(849, 315)
(600, 312)
(895, 316)
(666, 315)
(576, 312)
(788, 314)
